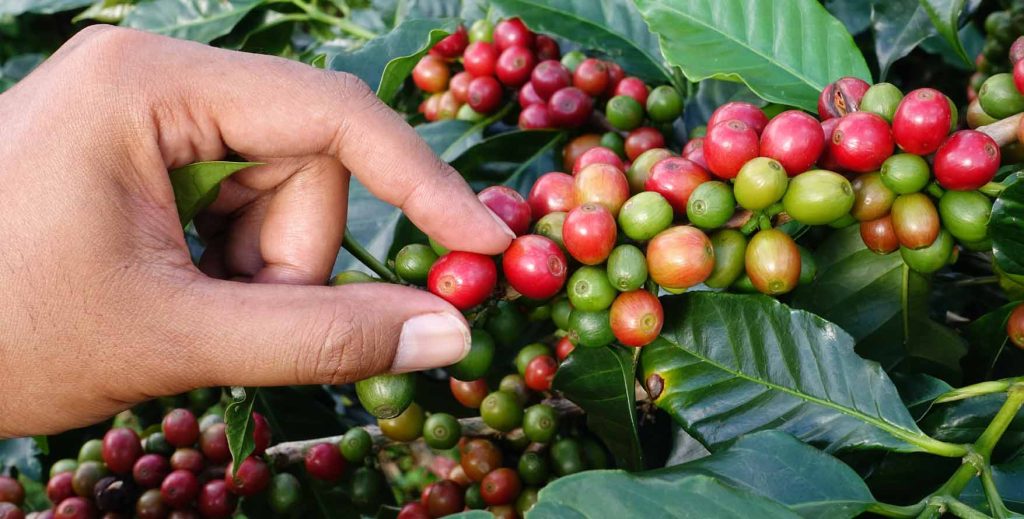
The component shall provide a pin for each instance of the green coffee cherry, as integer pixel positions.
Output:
(710, 205)
(533, 468)
(515, 385)
(818, 197)
(881, 99)
(589, 289)
(905, 173)
(386, 396)
(590, 329)
(356, 445)
(999, 96)
(572, 59)
(594, 454)
(697, 131)
(441, 431)
(526, 501)
(91, 450)
(478, 361)
(540, 423)
(730, 247)
(481, 30)
(627, 268)
(369, 488)
(614, 142)
(438, 249)
(474, 500)
(550, 226)
(505, 325)
(931, 258)
(405, 427)
(501, 411)
(413, 262)
(285, 493)
(965, 214)
(624, 113)
(640, 169)
(664, 104)
(560, 310)
(761, 182)
(644, 215)
(567, 455)
(63, 465)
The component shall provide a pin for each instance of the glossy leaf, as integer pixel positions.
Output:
(987, 338)
(899, 26)
(196, 185)
(1006, 229)
(505, 156)
(918, 391)
(1009, 480)
(20, 453)
(612, 28)
(855, 14)
(105, 11)
(196, 20)
(384, 62)
(601, 381)
(779, 467)
(754, 42)
(862, 292)
(238, 417)
(964, 420)
(468, 10)
(945, 15)
(16, 7)
(612, 493)
(778, 369)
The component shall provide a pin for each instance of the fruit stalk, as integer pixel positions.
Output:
(1003, 131)
(356, 249)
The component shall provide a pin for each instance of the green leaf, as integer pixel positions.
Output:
(786, 52)
(602, 381)
(42, 443)
(614, 29)
(777, 466)
(918, 391)
(16, 7)
(196, 185)
(899, 26)
(502, 157)
(1009, 480)
(384, 62)
(16, 68)
(22, 454)
(467, 10)
(105, 11)
(973, 40)
(862, 292)
(612, 493)
(855, 14)
(729, 365)
(197, 20)
(238, 417)
(964, 420)
(1006, 229)
(945, 15)
(987, 338)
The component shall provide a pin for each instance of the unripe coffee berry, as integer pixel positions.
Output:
(967, 160)
(601, 184)
(469, 393)
(905, 173)
(872, 199)
(793, 138)
(915, 220)
(773, 262)
(818, 197)
(636, 318)
(624, 113)
(760, 183)
(431, 74)
(501, 411)
(664, 104)
(534, 266)
(477, 362)
(680, 257)
(644, 215)
(879, 235)
(464, 279)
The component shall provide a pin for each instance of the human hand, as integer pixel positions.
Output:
(102, 306)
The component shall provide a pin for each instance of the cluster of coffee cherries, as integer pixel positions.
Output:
(1002, 28)
(553, 91)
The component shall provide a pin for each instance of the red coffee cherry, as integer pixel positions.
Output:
(552, 192)
(431, 74)
(598, 155)
(967, 160)
(548, 77)
(213, 442)
(539, 373)
(1018, 76)
(121, 448)
(188, 459)
(252, 478)
(509, 205)
(827, 160)
(500, 487)
(861, 142)
(216, 500)
(841, 97)
(636, 318)
(921, 121)
(591, 76)
(563, 348)
(11, 511)
(261, 433)
(728, 145)
(695, 153)
(150, 470)
(680, 257)
(1015, 325)
(589, 233)
(602, 184)
(633, 87)
(59, 487)
(480, 59)
(181, 428)
(546, 48)
(484, 94)
(11, 491)
(535, 117)
(515, 65)
(179, 489)
(429, 107)
(75, 508)
(750, 114)
(528, 96)
(535, 266)
(469, 393)
(675, 178)
(325, 462)
(512, 33)
(464, 279)
(413, 510)
(793, 138)
(642, 139)
(453, 45)
(615, 75)
(570, 107)
(879, 235)
(446, 498)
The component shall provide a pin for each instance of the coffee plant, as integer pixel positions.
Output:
(769, 263)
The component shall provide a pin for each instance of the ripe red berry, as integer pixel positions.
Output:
(453, 45)
(188, 459)
(59, 487)
(508, 205)
(480, 59)
(598, 155)
(535, 117)
(213, 442)
(75, 508)
(464, 279)
(431, 74)
(748, 113)
(446, 498)
(261, 433)
(841, 97)
(879, 235)
(695, 153)
(1018, 76)
(534, 266)
(602, 184)
(324, 461)
(642, 139)
(150, 470)
(512, 33)
(546, 48)
(447, 106)
(216, 501)
(179, 489)
(252, 478)
(484, 94)
(967, 160)
(615, 75)
(552, 192)
(180, 427)
(675, 178)
(470, 393)
(563, 348)
(1015, 323)
(11, 491)
(549, 77)
(921, 121)
(636, 318)
(728, 145)
(680, 257)
(528, 96)
(591, 77)
(429, 107)
(633, 87)
(691, 145)
(827, 160)
(589, 233)
(861, 142)
(570, 107)
(515, 65)
(500, 487)
(414, 510)
(539, 372)
(793, 138)
(121, 448)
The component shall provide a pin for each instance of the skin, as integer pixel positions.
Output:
(102, 305)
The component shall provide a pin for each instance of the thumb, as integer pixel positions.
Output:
(273, 335)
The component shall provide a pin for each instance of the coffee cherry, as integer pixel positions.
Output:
(711, 205)
(624, 113)
(748, 113)
(527, 500)
(187, 459)
(589, 233)
(728, 145)
(818, 197)
(860, 142)
(841, 97)
(535, 117)
(355, 445)
(446, 498)
(85, 477)
(413, 262)
(480, 59)
(405, 427)
(512, 32)
(881, 99)
(414, 510)
(615, 74)
(528, 96)
(63, 465)
(591, 76)
(150, 470)
(613, 141)
(533, 468)
(540, 423)
(636, 318)
(1015, 324)
(528, 353)
(464, 279)
(431, 74)
(150, 505)
(484, 94)
(216, 501)
(213, 442)
(999, 96)
(967, 160)
(477, 362)
(640, 170)
(548, 77)
(664, 105)
(730, 248)
(539, 372)
(429, 107)
(500, 487)
(601, 184)
(121, 448)
(179, 489)
(552, 192)
(965, 214)
(503, 511)
(386, 395)
(252, 478)
(567, 456)
(508, 205)
(827, 160)
(11, 491)
(675, 178)
(75, 508)
(905, 173)
(453, 45)
(546, 48)
(325, 462)
(447, 107)
(459, 86)
(11, 511)
(514, 66)
(921, 121)
(501, 411)
(441, 431)
(59, 488)
(680, 257)
(879, 235)
(760, 183)
(915, 220)
(872, 199)
(793, 138)
(633, 87)
(646, 214)
(479, 457)
(469, 393)
(563, 348)
(589, 289)
(570, 107)
(535, 267)
(577, 146)
(773, 262)
(284, 494)
(642, 139)
(927, 260)
(590, 329)
(597, 155)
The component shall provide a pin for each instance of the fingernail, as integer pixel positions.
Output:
(431, 341)
(501, 223)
